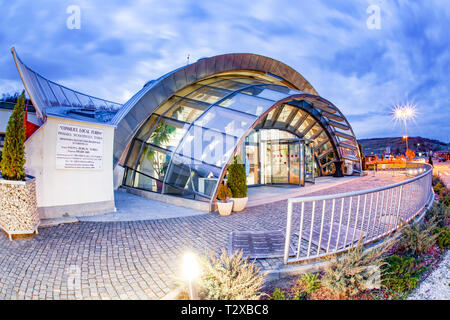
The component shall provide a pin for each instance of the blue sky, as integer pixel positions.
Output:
(123, 44)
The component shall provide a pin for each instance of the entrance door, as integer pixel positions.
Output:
(280, 162)
(309, 162)
(294, 163)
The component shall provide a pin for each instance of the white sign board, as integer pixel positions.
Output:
(79, 147)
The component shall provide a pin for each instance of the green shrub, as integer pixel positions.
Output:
(444, 237)
(279, 294)
(401, 274)
(418, 238)
(445, 200)
(309, 282)
(13, 155)
(230, 278)
(353, 272)
(223, 193)
(440, 213)
(237, 179)
(438, 188)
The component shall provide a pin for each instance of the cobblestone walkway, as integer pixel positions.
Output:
(130, 260)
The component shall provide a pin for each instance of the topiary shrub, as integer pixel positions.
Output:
(237, 179)
(13, 156)
(230, 278)
(223, 193)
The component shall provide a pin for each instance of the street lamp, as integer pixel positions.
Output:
(191, 271)
(404, 113)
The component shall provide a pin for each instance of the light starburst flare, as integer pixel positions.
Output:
(405, 112)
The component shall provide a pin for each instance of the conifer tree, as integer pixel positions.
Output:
(13, 156)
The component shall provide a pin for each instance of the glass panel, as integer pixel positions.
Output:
(153, 162)
(128, 177)
(72, 98)
(298, 117)
(281, 89)
(209, 94)
(313, 131)
(246, 103)
(308, 121)
(326, 159)
(324, 148)
(225, 120)
(134, 153)
(167, 105)
(279, 156)
(281, 121)
(193, 175)
(85, 101)
(188, 90)
(167, 134)
(294, 163)
(321, 138)
(310, 163)
(264, 92)
(59, 94)
(229, 85)
(207, 145)
(249, 80)
(142, 181)
(99, 104)
(146, 127)
(187, 110)
(51, 100)
(252, 163)
(35, 90)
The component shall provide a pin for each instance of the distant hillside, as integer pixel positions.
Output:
(397, 145)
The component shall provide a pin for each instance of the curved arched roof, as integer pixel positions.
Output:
(143, 103)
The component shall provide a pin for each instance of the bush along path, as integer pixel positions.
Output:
(416, 266)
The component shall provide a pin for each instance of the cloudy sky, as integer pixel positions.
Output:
(364, 71)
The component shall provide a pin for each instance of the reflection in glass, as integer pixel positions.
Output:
(246, 103)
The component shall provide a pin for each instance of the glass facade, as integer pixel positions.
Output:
(185, 145)
(180, 133)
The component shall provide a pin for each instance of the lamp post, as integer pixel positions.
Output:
(404, 113)
(191, 271)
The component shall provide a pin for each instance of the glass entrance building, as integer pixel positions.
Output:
(179, 133)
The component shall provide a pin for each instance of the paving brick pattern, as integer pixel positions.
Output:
(130, 260)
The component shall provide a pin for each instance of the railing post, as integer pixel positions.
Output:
(288, 233)
(398, 207)
(311, 229)
(300, 232)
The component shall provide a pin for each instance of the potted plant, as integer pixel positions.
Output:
(237, 181)
(225, 206)
(18, 207)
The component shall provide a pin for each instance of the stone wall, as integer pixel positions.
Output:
(18, 210)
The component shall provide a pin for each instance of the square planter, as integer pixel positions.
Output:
(18, 207)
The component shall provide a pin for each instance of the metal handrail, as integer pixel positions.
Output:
(388, 208)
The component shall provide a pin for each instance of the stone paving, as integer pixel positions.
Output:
(134, 259)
